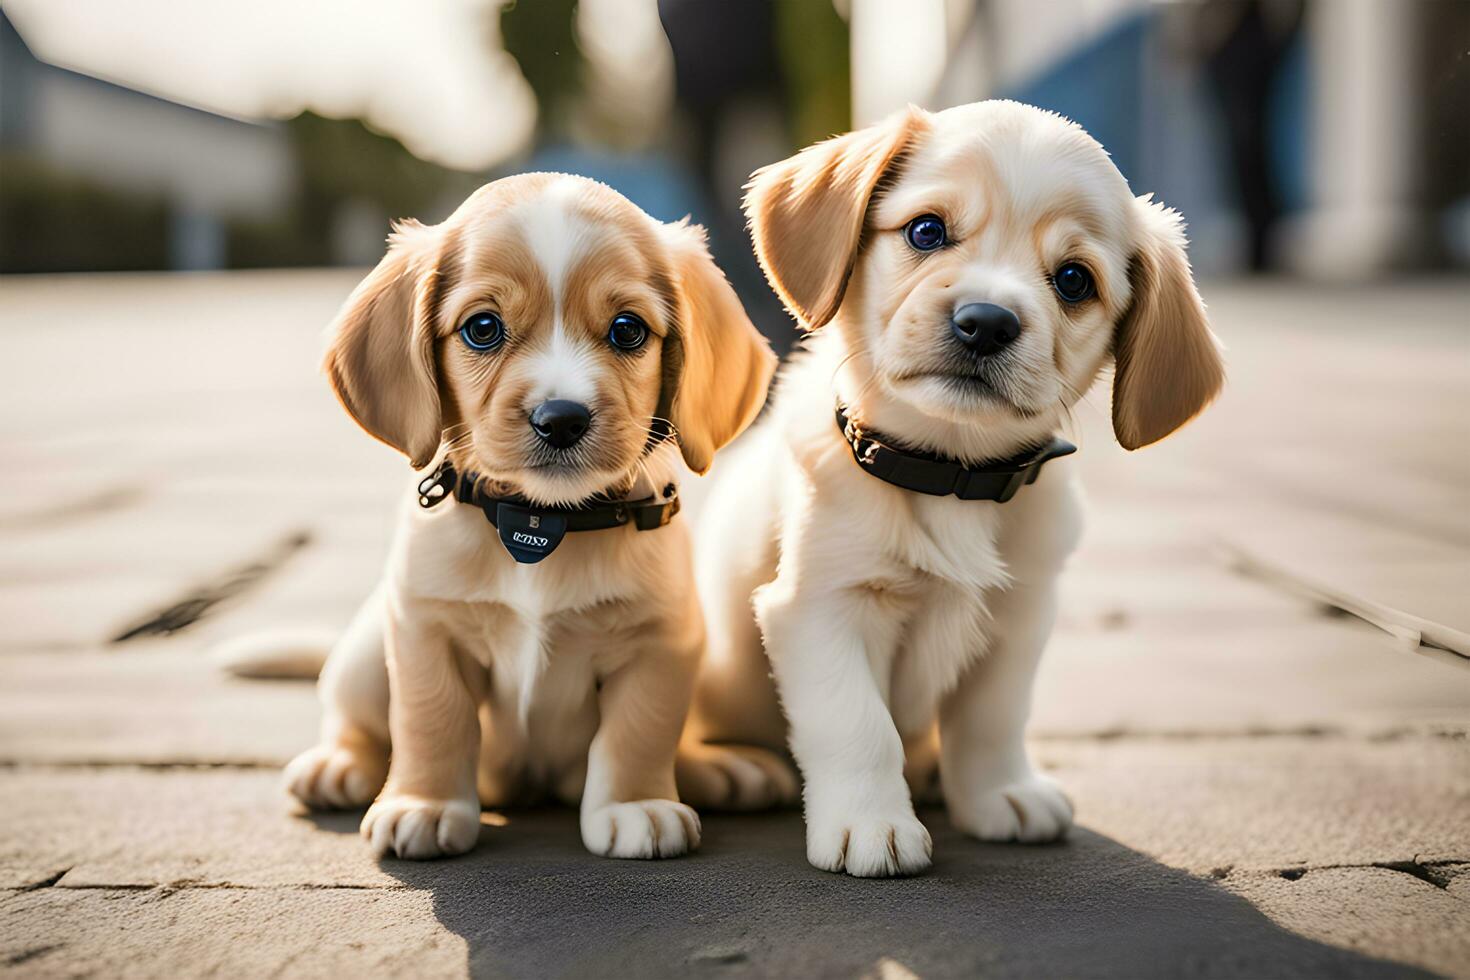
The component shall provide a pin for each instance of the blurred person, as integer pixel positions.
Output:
(1244, 44)
(754, 79)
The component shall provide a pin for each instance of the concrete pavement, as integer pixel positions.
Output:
(1264, 787)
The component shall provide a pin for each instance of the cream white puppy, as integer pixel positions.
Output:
(537, 339)
(964, 276)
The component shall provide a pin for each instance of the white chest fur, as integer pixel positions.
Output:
(543, 630)
(927, 568)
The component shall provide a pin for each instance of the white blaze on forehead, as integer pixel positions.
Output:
(559, 237)
(556, 234)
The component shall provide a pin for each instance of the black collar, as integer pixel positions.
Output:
(941, 476)
(531, 531)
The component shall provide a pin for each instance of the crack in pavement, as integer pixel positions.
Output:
(1438, 873)
(1435, 873)
(106, 500)
(166, 888)
(46, 882)
(163, 765)
(1424, 872)
(1082, 738)
(35, 952)
(1445, 732)
(186, 611)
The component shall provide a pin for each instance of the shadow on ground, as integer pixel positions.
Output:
(531, 903)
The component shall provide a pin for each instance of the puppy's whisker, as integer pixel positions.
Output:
(640, 471)
(461, 436)
(1071, 397)
(843, 363)
(460, 442)
(869, 383)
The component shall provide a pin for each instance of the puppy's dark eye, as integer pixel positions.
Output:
(482, 332)
(1072, 282)
(926, 233)
(627, 332)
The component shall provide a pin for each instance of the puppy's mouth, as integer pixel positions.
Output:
(958, 380)
(521, 464)
(568, 476)
(970, 388)
(555, 466)
(577, 460)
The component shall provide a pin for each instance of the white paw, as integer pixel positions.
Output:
(641, 829)
(1033, 810)
(869, 846)
(335, 777)
(730, 777)
(417, 828)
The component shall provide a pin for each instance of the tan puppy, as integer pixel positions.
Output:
(966, 275)
(545, 329)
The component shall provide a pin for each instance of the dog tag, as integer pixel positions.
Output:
(528, 535)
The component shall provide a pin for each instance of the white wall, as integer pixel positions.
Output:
(200, 162)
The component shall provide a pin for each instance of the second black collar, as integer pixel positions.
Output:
(940, 476)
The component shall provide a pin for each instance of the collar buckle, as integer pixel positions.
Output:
(853, 432)
(437, 486)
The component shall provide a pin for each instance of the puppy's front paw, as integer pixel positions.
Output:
(641, 829)
(740, 778)
(869, 846)
(1033, 810)
(417, 828)
(336, 777)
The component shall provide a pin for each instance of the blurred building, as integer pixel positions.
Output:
(165, 178)
(1315, 137)
(1328, 138)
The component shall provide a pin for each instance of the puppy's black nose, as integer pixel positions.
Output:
(561, 423)
(984, 327)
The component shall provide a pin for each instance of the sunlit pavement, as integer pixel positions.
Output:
(1263, 788)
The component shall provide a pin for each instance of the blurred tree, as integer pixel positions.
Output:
(813, 47)
(54, 222)
(342, 163)
(343, 158)
(541, 37)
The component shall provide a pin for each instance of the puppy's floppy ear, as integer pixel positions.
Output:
(1168, 362)
(806, 213)
(716, 365)
(380, 349)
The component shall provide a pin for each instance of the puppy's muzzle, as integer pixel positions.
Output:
(984, 328)
(561, 423)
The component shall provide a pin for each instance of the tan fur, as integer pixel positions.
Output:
(1168, 362)
(380, 353)
(725, 364)
(806, 213)
(874, 615)
(495, 682)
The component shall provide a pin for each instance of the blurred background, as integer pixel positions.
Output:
(1255, 692)
(1319, 138)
